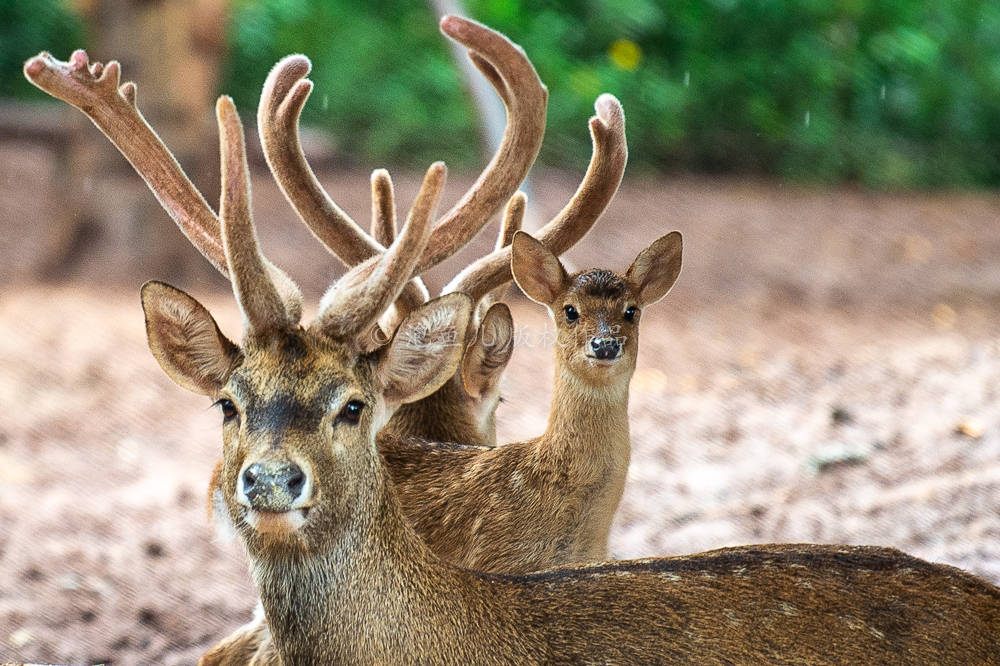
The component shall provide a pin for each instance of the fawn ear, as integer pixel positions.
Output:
(487, 356)
(655, 270)
(536, 270)
(425, 349)
(186, 341)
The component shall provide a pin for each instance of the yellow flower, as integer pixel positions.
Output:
(625, 54)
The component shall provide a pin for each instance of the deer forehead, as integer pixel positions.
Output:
(598, 296)
(296, 379)
(598, 288)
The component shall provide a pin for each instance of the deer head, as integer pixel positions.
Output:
(596, 312)
(299, 405)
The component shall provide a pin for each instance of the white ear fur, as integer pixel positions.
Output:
(425, 350)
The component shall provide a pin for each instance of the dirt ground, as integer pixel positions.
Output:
(826, 369)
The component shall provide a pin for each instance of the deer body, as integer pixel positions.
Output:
(371, 592)
(526, 505)
(351, 581)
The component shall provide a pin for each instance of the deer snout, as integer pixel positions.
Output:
(272, 485)
(605, 349)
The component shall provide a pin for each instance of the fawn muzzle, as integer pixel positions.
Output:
(272, 485)
(606, 349)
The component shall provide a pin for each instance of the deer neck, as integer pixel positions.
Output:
(587, 421)
(360, 597)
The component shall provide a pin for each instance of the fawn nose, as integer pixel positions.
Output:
(273, 486)
(605, 349)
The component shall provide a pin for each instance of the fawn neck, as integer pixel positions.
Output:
(587, 418)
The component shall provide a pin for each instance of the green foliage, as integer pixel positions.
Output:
(385, 82)
(27, 28)
(900, 94)
(886, 94)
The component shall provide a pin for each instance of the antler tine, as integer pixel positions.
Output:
(257, 283)
(525, 97)
(509, 71)
(414, 294)
(604, 175)
(513, 218)
(95, 90)
(383, 208)
(281, 101)
(353, 304)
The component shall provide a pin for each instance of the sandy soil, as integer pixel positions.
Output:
(826, 370)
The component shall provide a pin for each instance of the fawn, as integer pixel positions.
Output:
(547, 501)
(344, 577)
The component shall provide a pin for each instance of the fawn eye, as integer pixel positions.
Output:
(571, 314)
(228, 409)
(351, 412)
(630, 313)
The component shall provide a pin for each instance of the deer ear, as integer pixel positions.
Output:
(536, 270)
(487, 356)
(655, 270)
(186, 341)
(425, 350)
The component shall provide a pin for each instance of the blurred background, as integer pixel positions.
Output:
(826, 369)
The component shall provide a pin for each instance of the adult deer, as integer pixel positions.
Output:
(463, 408)
(344, 578)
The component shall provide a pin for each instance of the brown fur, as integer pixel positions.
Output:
(355, 584)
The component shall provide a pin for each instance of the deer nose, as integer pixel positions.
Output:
(273, 486)
(605, 348)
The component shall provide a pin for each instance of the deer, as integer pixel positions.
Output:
(447, 488)
(344, 576)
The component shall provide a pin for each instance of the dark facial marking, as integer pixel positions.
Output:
(599, 283)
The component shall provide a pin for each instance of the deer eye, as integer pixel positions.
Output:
(351, 413)
(630, 313)
(228, 409)
(571, 314)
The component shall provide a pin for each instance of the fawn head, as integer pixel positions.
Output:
(300, 405)
(596, 312)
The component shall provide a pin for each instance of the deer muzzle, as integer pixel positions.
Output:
(272, 486)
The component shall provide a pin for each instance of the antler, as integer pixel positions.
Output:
(383, 208)
(513, 217)
(515, 80)
(253, 284)
(604, 175)
(96, 90)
